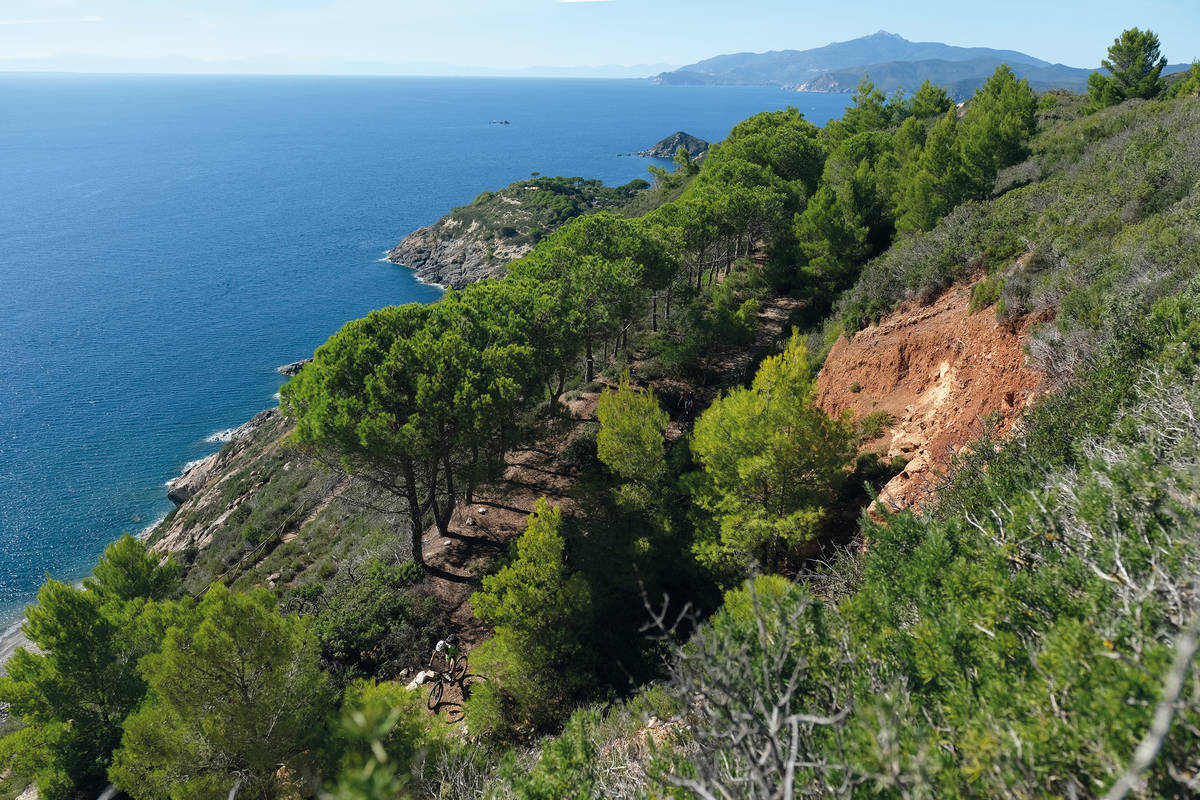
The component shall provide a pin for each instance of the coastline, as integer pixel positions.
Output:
(12, 638)
(416, 275)
(11, 635)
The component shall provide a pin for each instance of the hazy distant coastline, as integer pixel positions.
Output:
(179, 65)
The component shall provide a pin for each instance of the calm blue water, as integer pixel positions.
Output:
(166, 242)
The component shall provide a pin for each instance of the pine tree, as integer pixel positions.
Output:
(930, 101)
(934, 182)
(235, 692)
(74, 695)
(1135, 70)
(771, 461)
(541, 613)
(996, 130)
(630, 440)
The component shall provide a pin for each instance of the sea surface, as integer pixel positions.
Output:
(167, 241)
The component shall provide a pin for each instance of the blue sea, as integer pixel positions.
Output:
(166, 242)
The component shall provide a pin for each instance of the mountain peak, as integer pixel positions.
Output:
(894, 62)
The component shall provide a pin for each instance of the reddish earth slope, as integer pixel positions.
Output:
(937, 371)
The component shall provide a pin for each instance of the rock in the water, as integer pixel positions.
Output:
(669, 146)
(293, 368)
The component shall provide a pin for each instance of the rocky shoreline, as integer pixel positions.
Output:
(293, 369)
(10, 639)
(179, 490)
(478, 240)
(196, 474)
(443, 256)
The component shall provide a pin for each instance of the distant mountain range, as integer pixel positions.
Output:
(891, 61)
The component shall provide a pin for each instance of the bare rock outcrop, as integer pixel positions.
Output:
(293, 369)
(448, 254)
(478, 240)
(197, 474)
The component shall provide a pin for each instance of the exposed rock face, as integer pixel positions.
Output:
(291, 370)
(197, 474)
(446, 254)
(478, 240)
(183, 488)
(669, 146)
(936, 371)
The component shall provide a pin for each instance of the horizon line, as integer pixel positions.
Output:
(317, 75)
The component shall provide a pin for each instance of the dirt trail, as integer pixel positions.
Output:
(481, 532)
(936, 370)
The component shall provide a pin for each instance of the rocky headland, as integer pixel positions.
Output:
(478, 241)
(450, 254)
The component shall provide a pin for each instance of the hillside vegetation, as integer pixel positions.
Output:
(710, 612)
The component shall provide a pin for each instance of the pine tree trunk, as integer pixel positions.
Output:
(415, 528)
(443, 520)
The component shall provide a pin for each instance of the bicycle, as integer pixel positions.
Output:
(451, 676)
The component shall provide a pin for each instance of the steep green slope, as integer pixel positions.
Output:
(1019, 638)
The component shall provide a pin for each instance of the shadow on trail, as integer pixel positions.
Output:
(454, 707)
(502, 506)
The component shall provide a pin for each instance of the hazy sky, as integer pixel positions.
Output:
(512, 34)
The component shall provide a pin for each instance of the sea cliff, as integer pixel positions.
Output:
(451, 254)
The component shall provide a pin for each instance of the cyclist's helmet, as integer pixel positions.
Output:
(452, 639)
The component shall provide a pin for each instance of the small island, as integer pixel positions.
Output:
(694, 146)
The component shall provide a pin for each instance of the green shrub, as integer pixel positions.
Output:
(985, 293)
(567, 768)
(379, 741)
(874, 424)
(377, 623)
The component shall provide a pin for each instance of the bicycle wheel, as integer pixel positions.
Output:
(459, 671)
(435, 695)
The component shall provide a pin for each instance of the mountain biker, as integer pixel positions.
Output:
(448, 649)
